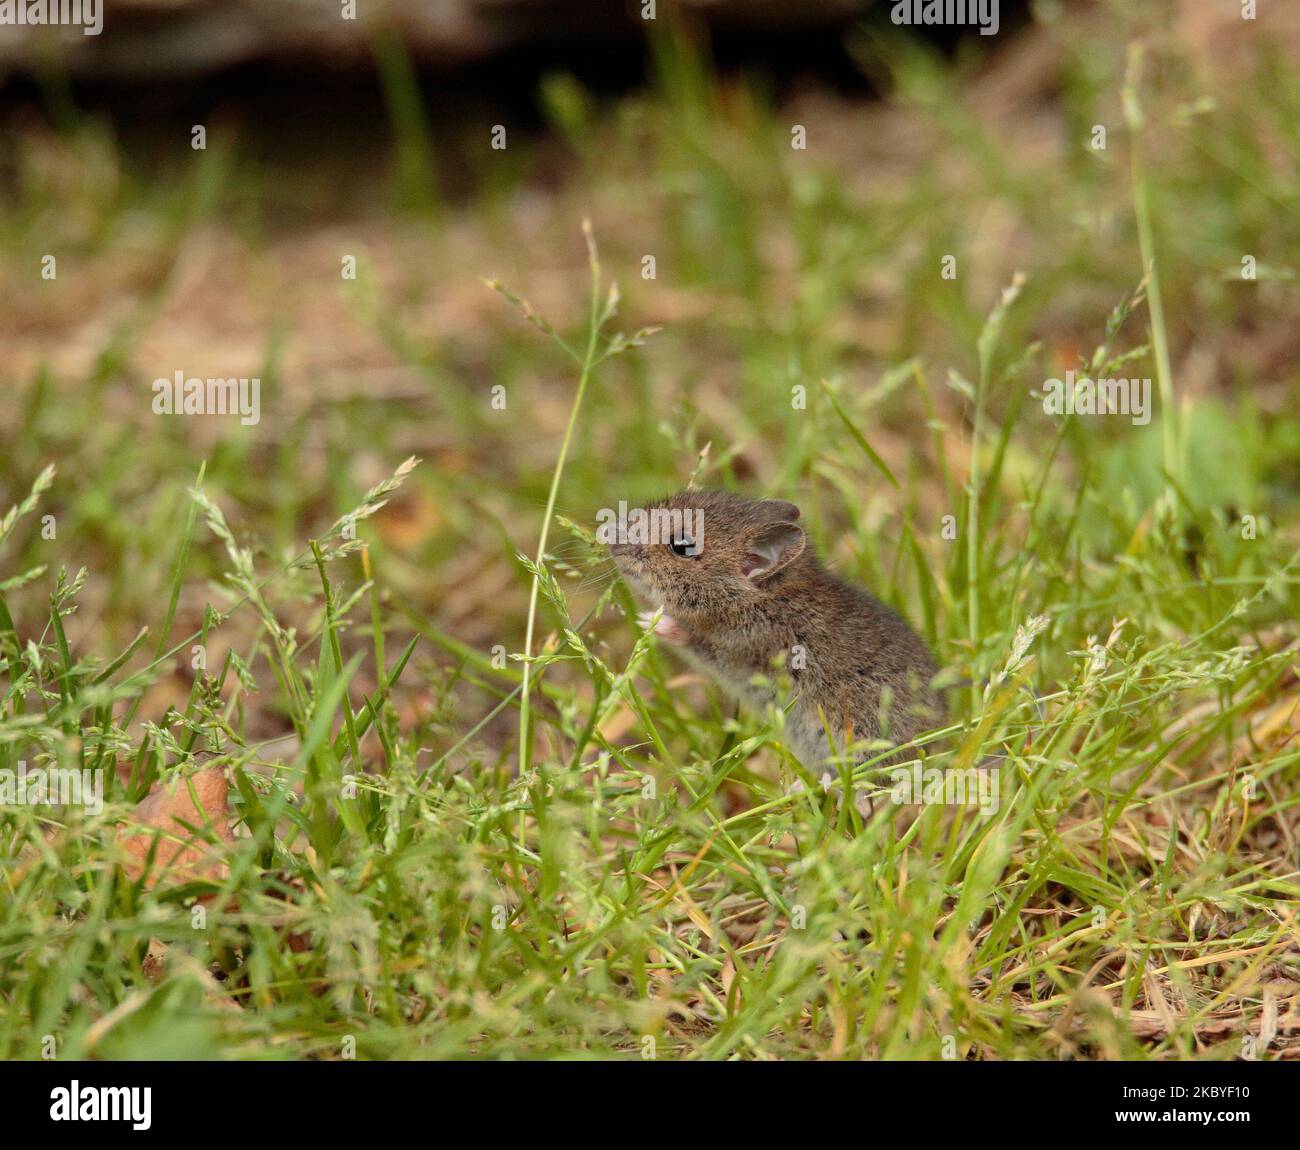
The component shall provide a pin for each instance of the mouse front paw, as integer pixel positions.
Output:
(667, 628)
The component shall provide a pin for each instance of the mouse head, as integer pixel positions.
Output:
(703, 554)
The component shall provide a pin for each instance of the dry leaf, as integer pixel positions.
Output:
(168, 814)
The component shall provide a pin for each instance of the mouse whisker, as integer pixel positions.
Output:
(603, 575)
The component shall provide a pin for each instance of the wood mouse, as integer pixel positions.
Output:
(740, 588)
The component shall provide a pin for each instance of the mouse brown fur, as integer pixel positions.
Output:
(755, 592)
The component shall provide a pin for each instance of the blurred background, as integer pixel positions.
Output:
(774, 266)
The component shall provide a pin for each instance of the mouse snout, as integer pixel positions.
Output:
(623, 548)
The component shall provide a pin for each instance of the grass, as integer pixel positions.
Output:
(477, 813)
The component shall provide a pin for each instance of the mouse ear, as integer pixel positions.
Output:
(771, 548)
(778, 509)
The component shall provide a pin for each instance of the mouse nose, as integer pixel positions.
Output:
(622, 548)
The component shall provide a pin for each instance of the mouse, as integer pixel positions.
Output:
(742, 591)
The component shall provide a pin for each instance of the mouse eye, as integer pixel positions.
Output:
(684, 548)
